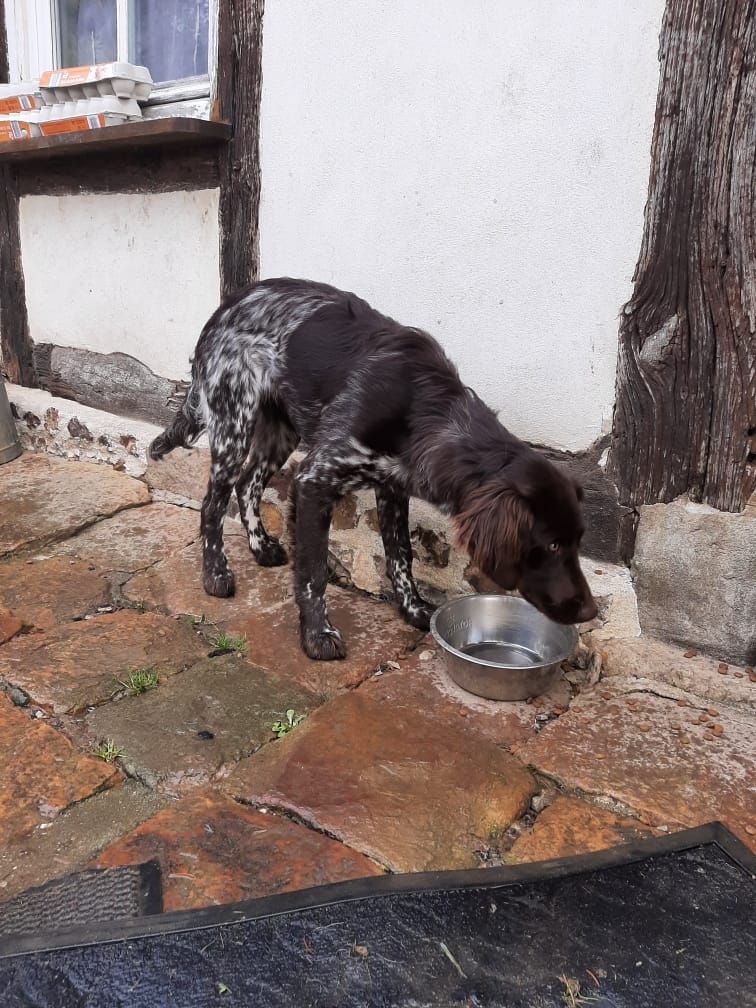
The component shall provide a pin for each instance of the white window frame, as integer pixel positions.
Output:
(32, 49)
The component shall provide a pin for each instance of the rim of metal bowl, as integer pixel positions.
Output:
(443, 643)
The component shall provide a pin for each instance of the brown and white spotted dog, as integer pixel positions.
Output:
(372, 403)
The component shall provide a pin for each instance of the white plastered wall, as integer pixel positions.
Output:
(129, 272)
(478, 169)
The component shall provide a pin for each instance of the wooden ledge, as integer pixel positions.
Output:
(173, 130)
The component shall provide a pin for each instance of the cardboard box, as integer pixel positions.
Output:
(20, 103)
(122, 80)
(80, 124)
(15, 129)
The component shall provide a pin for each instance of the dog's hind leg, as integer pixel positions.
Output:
(393, 518)
(273, 441)
(229, 447)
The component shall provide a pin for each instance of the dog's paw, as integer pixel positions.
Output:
(219, 583)
(323, 645)
(418, 616)
(270, 553)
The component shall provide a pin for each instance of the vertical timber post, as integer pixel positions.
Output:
(238, 90)
(17, 360)
(685, 414)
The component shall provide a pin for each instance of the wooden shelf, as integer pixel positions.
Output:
(173, 130)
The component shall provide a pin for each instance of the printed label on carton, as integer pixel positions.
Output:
(14, 130)
(76, 124)
(18, 103)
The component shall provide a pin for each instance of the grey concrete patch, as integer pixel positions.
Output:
(75, 837)
(187, 731)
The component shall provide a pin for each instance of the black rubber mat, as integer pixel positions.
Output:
(667, 923)
(83, 899)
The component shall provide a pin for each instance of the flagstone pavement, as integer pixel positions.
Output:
(109, 648)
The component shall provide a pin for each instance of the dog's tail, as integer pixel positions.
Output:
(186, 428)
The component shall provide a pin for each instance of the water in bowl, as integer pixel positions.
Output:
(503, 653)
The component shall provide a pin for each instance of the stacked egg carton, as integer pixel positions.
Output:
(83, 98)
(19, 108)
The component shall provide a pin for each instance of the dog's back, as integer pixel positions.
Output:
(302, 345)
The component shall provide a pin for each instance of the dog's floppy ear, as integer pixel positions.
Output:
(491, 526)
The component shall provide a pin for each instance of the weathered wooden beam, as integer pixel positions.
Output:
(113, 382)
(14, 324)
(609, 525)
(141, 170)
(685, 415)
(238, 89)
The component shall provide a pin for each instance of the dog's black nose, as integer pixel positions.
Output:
(587, 611)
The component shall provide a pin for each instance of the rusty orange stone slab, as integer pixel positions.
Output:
(184, 472)
(134, 539)
(263, 611)
(175, 584)
(51, 590)
(10, 625)
(373, 631)
(213, 850)
(409, 790)
(570, 826)
(646, 752)
(80, 664)
(46, 499)
(42, 773)
(423, 684)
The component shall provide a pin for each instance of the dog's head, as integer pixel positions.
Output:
(522, 528)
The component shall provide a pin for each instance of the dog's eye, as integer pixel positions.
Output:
(553, 547)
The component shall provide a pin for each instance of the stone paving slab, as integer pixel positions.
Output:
(646, 752)
(570, 826)
(10, 625)
(183, 473)
(686, 669)
(373, 631)
(175, 584)
(196, 724)
(79, 665)
(133, 540)
(263, 611)
(213, 851)
(45, 499)
(47, 591)
(75, 836)
(407, 789)
(421, 684)
(42, 773)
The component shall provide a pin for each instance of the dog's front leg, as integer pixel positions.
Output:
(393, 518)
(315, 502)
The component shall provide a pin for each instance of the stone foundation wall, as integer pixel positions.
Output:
(695, 577)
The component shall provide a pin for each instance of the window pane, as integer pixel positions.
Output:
(170, 37)
(87, 31)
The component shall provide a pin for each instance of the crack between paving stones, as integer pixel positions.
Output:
(54, 538)
(107, 785)
(285, 813)
(740, 717)
(143, 570)
(600, 799)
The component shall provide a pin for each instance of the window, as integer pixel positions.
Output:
(169, 37)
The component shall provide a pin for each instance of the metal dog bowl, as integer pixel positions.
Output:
(500, 646)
